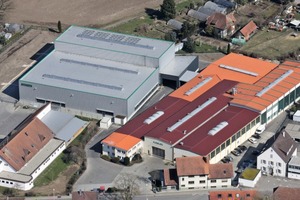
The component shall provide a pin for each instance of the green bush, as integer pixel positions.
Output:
(115, 160)
(105, 157)
(126, 161)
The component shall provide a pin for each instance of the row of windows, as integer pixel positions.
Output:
(270, 163)
(234, 137)
(7, 182)
(294, 167)
(230, 195)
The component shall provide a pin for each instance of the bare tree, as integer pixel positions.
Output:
(128, 186)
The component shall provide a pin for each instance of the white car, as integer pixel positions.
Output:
(252, 140)
(260, 129)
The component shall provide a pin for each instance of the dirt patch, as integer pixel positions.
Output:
(79, 12)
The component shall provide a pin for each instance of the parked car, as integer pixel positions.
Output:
(252, 140)
(256, 136)
(236, 153)
(260, 129)
(242, 147)
(227, 159)
(238, 150)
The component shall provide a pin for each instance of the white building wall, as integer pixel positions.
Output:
(219, 183)
(44, 112)
(193, 182)
(48, 161)
(16, 185)
(4, 166)
(270, 162)
(151, 142)
(250, 183)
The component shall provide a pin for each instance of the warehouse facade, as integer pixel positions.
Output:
(97, 73)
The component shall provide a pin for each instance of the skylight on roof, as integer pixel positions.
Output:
(193, 113)
(271, 85)
(217, 128)
(239, 70)
(196, 87)
(153, 117)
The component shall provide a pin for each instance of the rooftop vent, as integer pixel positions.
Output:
(153, 117)
(217, 128)
(238, 70)
(190, 115)
(271, 85)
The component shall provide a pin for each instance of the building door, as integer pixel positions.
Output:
(158, 152)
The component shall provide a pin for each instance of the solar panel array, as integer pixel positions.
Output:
(97, 66)
(83, 82)
(113, 38)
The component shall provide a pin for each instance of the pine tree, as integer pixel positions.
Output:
(189, 46)
(59, 26)
(168, 9)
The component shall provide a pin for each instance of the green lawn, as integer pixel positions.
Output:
(297, 16)
(272, 44)
(51, 172)
(205, 48)
(250, 173)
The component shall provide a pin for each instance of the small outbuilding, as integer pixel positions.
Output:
(296, 116)
(249, 177)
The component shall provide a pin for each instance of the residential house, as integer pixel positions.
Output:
(293, 129)
(293, 170)
(196, 173)
(284, 193)
(233, 195)
(275, 158)
(121, 146)
(224, 25)
(170, 179)
(248, 30)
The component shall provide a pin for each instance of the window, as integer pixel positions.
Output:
(264, 169)
(218, 150)
(227, 142)
(233, 138)
(243, 131)
(123, 152)
(279, 164)
(212, 154)
(219, 195)
(224, 181)
(224, 186)
(247, 195)
(182, 185)
(201, 181)
(119, 151)
(222, 146)
(113, 148)
(278, 171)
(213, 186)
(271, 163)
(263, 161)
(108, 147)
(202, 175)
(229, 195)
(213, 181)
(191, 182)
(248, 127)
(191, 176)
(238, 135)
(182, 179)
(271, 155)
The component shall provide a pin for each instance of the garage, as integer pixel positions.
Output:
(158, 152)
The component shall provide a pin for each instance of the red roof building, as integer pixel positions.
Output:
(248, 30)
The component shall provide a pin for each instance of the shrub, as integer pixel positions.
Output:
(105, 157)
(137, 158)
(126, 161)
(8, 192)
(30, 194)
(111, 190)
(115, 160)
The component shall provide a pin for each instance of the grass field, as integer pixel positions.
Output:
(205, 48)
(51, 172)
(272, 44)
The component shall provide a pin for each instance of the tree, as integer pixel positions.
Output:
(128, 186)
(171, 36)
(189, 45)
(168, 10)
(59, 26)
(2, 40)
(126, 161)
(228, 48)
(187, 29)
(209, 30)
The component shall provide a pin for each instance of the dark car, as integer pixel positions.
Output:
(256, 136)
(242, 147)
(227, 159)
(236, 153)
(238, 150)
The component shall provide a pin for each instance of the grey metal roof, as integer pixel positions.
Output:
(295, 160)
(40, 157)
(187, 76)
(293, 129)
(91, 75)
(199, 14)
(115, 41)
(15, 177)
(173, 23)
(177, 66)
(216, 7)
(62, 124)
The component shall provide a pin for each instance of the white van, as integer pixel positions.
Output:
(260, 129)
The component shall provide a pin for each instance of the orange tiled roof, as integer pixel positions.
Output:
(193, 165)
(261, 68)
(248, 29)
(26, 143)
(121, 141)
(180, 92)
(247, 94)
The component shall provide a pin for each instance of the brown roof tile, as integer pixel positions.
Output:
(194, 165)
(221, 21)
(248, 29)
(284, 193)
(220, 170)
(26, 143)
(284, 146)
